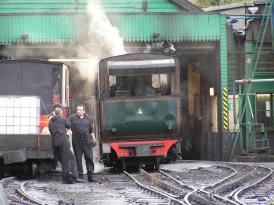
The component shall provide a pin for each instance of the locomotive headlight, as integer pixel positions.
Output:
(139, 111)
(169, 124)
(169, 121)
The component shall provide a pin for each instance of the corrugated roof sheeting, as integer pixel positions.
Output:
(49, 28)
(18, 6)
(173, 27)
(29, 6)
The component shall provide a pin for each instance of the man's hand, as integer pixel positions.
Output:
(93, 139)
(69, 132)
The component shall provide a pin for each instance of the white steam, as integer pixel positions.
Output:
(102, 31)
(104, 41)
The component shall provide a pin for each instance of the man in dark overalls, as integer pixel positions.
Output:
(58, 128)
(83, 140)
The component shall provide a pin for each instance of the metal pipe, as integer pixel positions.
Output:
(234, 104)
(245, 17)
(244, 81)
(229, 15)
(249, 103)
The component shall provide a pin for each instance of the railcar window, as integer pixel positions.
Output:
(141, 85)
(56, 86)
(65, 96)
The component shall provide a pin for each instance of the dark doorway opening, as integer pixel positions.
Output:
(199, 88)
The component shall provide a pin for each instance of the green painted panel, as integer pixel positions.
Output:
(258, 87)
(264, 87)
(126, 117)
(223, 60)
(249, 48)
(223, 51)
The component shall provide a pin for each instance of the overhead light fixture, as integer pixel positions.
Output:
(211, 91)
(155, 35)
(253, 9)
(24, 37)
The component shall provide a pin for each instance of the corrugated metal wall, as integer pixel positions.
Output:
(173, 27)
(46, 28)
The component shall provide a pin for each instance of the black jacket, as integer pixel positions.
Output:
(57, 128)
(76, 125)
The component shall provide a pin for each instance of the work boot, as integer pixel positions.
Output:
(68, 179)
(90, 179)
(81, 176)
(78, 180)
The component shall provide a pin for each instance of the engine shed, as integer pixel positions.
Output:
(172, 27)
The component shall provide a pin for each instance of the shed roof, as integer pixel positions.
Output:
(235, 5)
(49, 21)
(30, 6)
(133, 27)
(228, 6)
(187, 5)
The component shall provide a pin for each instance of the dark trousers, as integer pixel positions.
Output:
(83, 145)
(67, 159)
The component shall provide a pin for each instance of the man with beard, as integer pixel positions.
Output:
(83, 140)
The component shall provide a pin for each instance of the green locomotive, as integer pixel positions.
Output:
(139, 109)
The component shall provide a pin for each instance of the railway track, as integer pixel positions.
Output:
(265, 179)
(200, 196)
(168, 187)
(229, 185)
(234, 188)
(13, 193)
(224, 184)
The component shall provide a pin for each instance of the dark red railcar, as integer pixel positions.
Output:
(28, 89)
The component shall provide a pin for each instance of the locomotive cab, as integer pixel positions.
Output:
(139, 109)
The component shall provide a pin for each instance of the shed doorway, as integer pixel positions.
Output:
(200, 88)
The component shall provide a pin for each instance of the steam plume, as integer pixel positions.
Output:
(104, 41)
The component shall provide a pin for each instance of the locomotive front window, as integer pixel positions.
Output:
(140, 85)
(162, 83)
